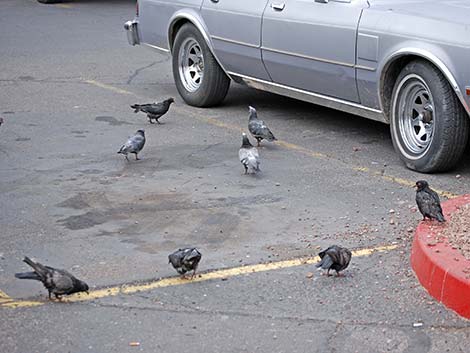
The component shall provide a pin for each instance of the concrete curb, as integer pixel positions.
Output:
(443, 271)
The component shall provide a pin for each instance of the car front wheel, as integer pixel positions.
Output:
(429, 126)
(198, 77)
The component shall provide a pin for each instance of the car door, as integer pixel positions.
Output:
(311, 45)
(235, 30)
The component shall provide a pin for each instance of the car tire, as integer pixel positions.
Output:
(198, 77)
(428, 124)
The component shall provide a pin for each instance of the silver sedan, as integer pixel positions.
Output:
(405, 63)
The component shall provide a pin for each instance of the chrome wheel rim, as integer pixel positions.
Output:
(191, 64)
(416, 115)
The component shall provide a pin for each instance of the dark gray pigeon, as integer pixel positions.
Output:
(334, 258)
(258, 128)
(249, 156)
(57, 282)
(184, 260)
(154, 111)
(134, 144)
(428, 202)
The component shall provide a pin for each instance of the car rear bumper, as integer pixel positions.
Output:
(131, 28)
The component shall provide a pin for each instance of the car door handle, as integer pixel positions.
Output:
(278, 7)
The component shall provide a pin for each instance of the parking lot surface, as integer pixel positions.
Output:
(67, 199)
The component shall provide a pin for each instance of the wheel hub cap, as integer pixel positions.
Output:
(191, 64)
(416, 116)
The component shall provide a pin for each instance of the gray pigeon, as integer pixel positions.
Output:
(249, 156)
(154, 111)
(334, 258)
(258, 128)
(134, 144)
(184, 260)
(57, 282)
(428, 202)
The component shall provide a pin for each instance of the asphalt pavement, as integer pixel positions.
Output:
(68, 199)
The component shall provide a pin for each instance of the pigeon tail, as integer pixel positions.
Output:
(38, 268)
(440, 217)
(28, 275)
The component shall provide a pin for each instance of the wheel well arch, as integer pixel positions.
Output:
(181, 18)
(397, 62)
(174, 28)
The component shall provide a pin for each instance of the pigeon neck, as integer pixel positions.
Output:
(246, 142)
(253, 116)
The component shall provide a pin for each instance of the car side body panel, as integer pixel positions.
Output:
(312, 46)
(235, 31)
(154, 19)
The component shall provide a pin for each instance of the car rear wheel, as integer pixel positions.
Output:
(198, 77)
(429, 126)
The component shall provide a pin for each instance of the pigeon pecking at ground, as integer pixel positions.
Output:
(134, 144)
(57, 282)
(154, 111)
(428, 202)
(249, 156)
(258, 128)
(184, 260)
(334, 258)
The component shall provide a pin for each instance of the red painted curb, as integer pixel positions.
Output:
(439, 268)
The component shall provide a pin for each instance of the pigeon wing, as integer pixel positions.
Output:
(61, 282)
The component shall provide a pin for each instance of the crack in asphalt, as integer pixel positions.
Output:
(139, 70)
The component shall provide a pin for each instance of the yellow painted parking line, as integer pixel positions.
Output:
(287, 145)
(176, 281)
(109, 87)
(4, 298)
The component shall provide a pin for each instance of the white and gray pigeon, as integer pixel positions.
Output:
(258, 128)
(185, 260)
(249, 156)
(155, 110)
(334, 258)
(57, 282)
(134, 144)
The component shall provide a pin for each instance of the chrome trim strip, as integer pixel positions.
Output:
(432, 58)
(360, 67)
(158, 48)
(235, 42)
(307, 57)
(316, 98)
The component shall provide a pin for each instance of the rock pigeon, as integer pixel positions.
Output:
(249, 156)
(428, 202)
(334, 258)
(134, 144)
(57, 282)
(184, 260)
(258, 128)
(154, 110)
